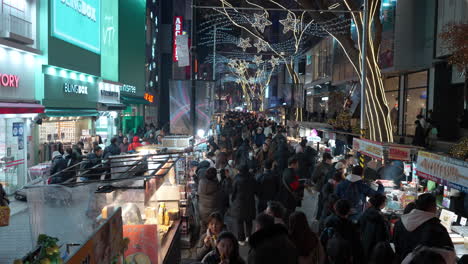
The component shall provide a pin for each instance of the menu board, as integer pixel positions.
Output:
(443, 170)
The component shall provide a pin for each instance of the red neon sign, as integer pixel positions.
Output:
(148, 97)
(177, 32)
(9, 80)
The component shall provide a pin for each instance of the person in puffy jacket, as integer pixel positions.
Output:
(373, 226)
(58, 165)
(209, 196)
(355, 190)
(135, 144)
(420, 227)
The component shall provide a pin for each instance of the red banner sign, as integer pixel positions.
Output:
(399, 153)
(177, 31)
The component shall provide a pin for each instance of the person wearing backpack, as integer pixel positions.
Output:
(339, 227)
(355, 190)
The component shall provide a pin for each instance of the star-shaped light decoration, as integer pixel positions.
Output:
(244, 43)
(274, 61)
(258, 60)
(289, 23)
(260, 22)
(261, 45)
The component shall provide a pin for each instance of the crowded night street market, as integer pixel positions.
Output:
(233, 132)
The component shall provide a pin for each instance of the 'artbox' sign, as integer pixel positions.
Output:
(9, 80)
(177, 32)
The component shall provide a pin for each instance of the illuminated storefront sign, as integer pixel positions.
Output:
(148, 97)
(75, 88)
(109, 92)
(128, 89)
(177, 31)
(9, 80)
(78, 22)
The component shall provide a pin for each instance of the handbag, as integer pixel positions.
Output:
(4, 215)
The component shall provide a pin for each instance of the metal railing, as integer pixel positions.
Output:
(13, 23)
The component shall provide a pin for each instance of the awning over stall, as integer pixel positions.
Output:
(57, 112)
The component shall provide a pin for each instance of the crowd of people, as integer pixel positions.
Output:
(251, 173)
(99, 153)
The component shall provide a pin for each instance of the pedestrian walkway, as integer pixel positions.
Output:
(15, 239)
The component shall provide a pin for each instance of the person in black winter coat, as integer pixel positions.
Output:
(292, 190)
(243, 202)
(272, 245)
(373, 226)
(113, 149)
(419, 135)
(338, 225)
(209, 196)
(268, 183)
(420, 227)
(58, 165)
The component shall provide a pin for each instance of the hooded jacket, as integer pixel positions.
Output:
(355, 190)
(209, 197)
(243, 197)
(419, 228)
(135, 144)
(272, 245)
(373, 229)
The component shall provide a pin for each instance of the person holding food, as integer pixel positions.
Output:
(208, 240)
(226, 251)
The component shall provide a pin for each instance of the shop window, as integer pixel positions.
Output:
(417, 80)
(12, 153)
(415, 105)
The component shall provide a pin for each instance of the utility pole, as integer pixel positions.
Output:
(363, 67)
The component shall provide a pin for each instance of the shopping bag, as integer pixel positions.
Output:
(4, 215)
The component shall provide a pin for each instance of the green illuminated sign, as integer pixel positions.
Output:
(110, 40)
(78, 22)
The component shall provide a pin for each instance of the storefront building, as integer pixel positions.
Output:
(109, 107)
(132, 116)
(70, 100)
(18, 107)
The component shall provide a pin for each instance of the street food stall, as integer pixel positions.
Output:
(150, 196)
(452, 174)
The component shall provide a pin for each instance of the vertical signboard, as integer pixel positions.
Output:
(177, 32)
(204, 106)
(110, 40)
(387, 16)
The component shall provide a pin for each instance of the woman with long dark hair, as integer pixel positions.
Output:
(308, 244)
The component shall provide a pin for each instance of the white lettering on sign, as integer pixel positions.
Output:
(9, 80)
(128, 88)
(75, 88)
(82, 7)
(177, 32)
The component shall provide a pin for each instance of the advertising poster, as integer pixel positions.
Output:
(368, 148)
(143, 243)
(387, 16)
(443, 170)
(204, 105)
(398, 152)
(180, 94)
